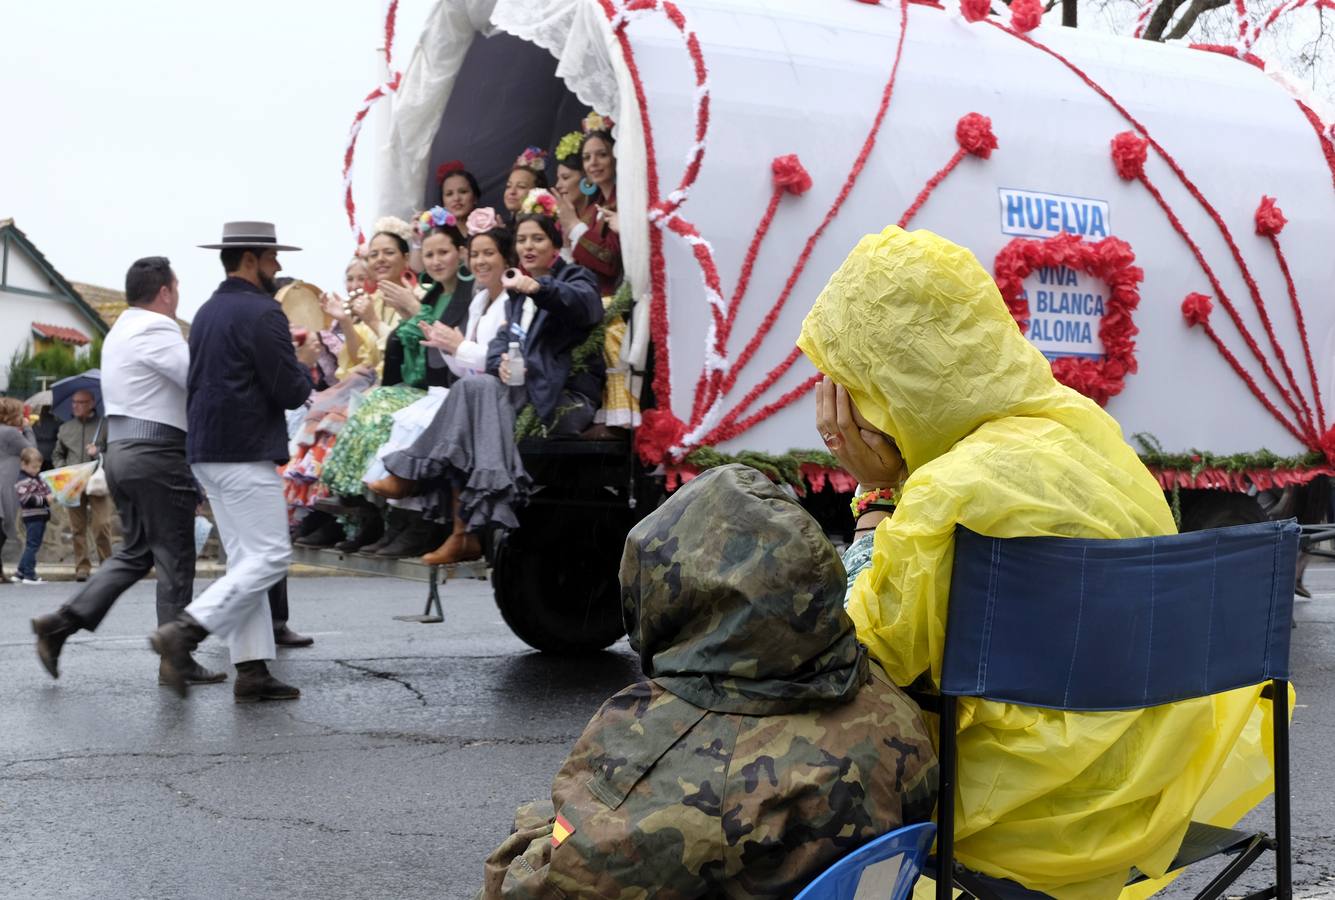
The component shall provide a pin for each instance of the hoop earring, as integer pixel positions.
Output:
(587, 188)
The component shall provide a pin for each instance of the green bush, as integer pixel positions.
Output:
(26, 368)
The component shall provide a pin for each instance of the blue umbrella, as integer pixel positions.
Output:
(63, 391)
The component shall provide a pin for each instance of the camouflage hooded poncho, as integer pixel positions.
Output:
(764, 747)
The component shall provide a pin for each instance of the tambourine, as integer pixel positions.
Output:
(301, 304)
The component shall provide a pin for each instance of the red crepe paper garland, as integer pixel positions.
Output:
(974, 135)
(975, 10)
(380, 92)
(1270, 221)
(1110, 260)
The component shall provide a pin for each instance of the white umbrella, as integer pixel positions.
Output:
(39, 399)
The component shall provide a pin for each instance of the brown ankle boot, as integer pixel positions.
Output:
(459, 547)
(394, 487)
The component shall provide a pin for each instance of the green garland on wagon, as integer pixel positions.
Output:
(785, 468)
(1195, 462)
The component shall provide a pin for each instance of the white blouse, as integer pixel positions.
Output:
(485, 318)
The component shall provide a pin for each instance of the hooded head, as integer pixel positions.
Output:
(734, 599)
(916, 331)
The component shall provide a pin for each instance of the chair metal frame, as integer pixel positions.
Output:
(1247, 850)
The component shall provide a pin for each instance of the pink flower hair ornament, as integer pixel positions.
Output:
(482, 219)
(533, 158)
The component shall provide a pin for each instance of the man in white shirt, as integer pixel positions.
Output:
(145, 360)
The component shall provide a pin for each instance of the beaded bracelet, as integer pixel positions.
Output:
(881, 497)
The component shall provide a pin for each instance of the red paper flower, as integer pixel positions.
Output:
(1129, 152)
(974, 133)
(975, 10)
(790, 175)
(1109, 260)
(1026, 14)
(659, 431)
(1196, 309)
(1270, 219)
(446, 169)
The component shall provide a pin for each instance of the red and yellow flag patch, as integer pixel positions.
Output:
(561, 830)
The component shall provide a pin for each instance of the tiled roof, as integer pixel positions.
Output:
(60, 333)
(109, 304)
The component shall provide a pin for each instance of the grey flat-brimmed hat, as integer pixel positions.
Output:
(253, 235)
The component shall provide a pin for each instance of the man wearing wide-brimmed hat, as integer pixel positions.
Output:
(245, 372)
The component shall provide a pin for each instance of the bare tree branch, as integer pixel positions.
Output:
(1193, 13)
(1159, 19)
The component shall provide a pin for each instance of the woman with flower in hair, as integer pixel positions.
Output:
(595, 231)
(463, 350)
(589, 218)
(459, 191)
(471, 453)
(528, 172)
(406, 375)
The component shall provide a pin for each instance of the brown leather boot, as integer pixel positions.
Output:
(174, 642)
(196, 674)
(52, 630)
(458, 547)
(394, 487)
(254, 684)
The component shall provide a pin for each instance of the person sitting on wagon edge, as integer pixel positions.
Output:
(551, 309)
(922, 357)
(764, 745)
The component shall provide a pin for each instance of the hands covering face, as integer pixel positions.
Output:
(866, 453)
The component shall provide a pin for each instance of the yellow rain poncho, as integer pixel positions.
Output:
(1064, 803)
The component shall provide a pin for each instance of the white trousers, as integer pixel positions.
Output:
(247, 501)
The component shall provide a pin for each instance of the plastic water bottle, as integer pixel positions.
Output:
(516, 365)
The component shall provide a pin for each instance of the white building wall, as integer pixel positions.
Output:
(19, 311)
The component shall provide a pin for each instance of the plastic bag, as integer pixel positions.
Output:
(68, 483)
(203, 528)
(97, 485)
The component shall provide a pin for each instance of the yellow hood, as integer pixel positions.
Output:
(917, 331)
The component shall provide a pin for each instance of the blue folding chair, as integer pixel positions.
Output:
(886, 867)
(1089, 625)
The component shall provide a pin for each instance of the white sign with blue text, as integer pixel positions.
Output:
(1035, 214)
(1065, 311)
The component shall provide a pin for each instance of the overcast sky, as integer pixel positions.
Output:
(138, 127)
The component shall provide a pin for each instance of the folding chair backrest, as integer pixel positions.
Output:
(884, 868)
(1084, 624)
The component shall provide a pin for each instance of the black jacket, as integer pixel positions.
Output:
(243, 374)
(568, 309)
(455, 314)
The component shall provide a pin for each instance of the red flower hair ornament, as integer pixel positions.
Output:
(446, 169)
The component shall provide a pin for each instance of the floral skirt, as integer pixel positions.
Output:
(367, 429)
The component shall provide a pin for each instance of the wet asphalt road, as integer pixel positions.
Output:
(394, 774)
